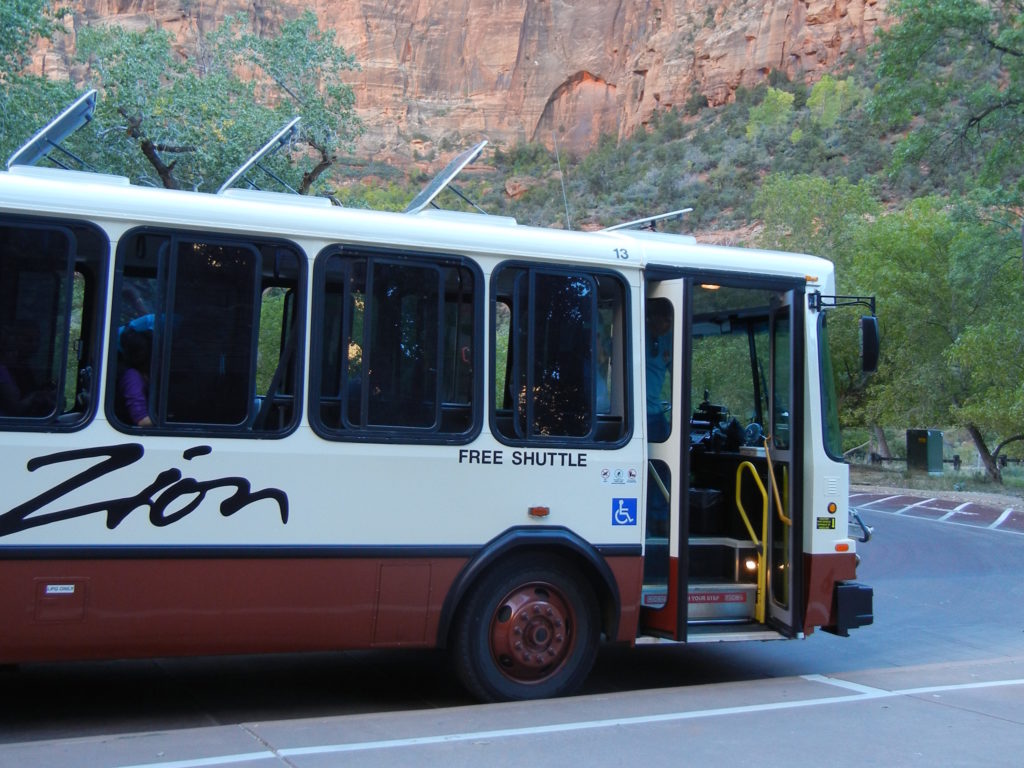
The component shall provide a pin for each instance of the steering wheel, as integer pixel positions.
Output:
(752, 433)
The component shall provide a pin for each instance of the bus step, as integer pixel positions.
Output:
(709, 601)
(714, 559)
(721, 601)
(654, 596)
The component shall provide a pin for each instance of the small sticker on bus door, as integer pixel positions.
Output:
(619, 476)
(826, 523)
(624, 512)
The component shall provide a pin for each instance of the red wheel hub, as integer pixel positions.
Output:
(531, 632)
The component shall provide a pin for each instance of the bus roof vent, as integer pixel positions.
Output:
(280, 139)
(444, 215)
(650, 222)
(279, 198)
(444, 179)
(51, 136)
(62, 174)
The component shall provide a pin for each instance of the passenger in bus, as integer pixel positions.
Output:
(658, 356)
(133, 380)
(658, 360)
(143, 324)
(20, 394)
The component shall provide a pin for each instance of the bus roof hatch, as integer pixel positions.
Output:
(649, 222)
(56, 131)
(444, 180)
(283, 137)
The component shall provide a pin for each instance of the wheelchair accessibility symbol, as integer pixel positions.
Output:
(623, 511)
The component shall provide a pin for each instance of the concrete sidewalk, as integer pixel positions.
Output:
(963, 714)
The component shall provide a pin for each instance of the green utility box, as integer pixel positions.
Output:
(924, 451)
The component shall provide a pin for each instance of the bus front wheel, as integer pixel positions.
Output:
(528, 630)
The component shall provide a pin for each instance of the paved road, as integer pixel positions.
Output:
(937, 680)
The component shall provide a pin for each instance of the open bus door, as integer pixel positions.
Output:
(722, 556)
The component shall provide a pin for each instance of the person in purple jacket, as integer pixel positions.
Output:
(133, 381)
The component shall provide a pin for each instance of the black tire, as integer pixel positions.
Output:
(528, 630)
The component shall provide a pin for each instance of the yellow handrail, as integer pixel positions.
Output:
(761, 575)
(775, 485)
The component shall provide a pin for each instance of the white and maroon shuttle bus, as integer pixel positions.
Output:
(254, 422)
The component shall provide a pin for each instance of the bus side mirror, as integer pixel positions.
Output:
(869, 342)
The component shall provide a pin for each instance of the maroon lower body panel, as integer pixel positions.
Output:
(151, 607)
(821, 572)
(629, 576)
(122, 608)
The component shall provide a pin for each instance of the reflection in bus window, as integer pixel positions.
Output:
(396, 346)
(50, 277)
(215, 322)
(559, 355)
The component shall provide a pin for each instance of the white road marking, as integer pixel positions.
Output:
(861, 693)
(847, 684)
(954, 511)
(879, 501)
(201, 762)
(1002, 518)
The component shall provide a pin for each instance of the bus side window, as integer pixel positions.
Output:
(219, 318)
(51, 276)
(395, 347)
(280, 351)
(559, 356)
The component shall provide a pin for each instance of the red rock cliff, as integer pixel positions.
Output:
(513, 70)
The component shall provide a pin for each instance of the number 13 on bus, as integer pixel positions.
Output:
(255, 422)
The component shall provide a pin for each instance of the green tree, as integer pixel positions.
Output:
(23, 96)
(990, 350)
(830, 99)
(147, 105)
(951, 72)
(22, 24)
(941, 278)
(951, 77)
(812, 214)
(301, 71)
(188, 123)
(771, 116)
